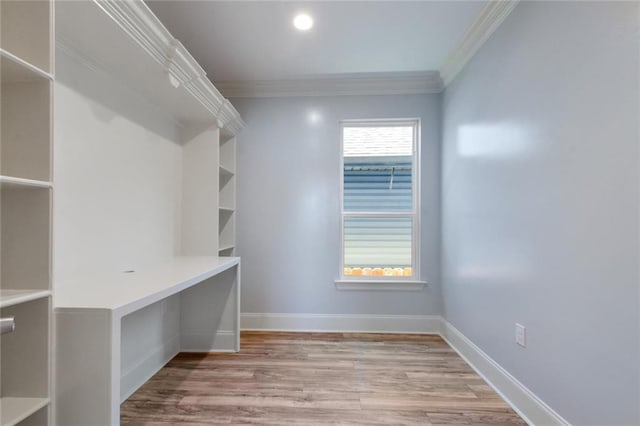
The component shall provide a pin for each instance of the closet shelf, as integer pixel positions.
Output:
(15, 69)
(128, 41)
(228, 210)
(15, 297)
(15, 182)
(226, 247)
(14, 410)
(225, 171)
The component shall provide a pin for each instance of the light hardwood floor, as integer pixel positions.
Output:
(320, 379)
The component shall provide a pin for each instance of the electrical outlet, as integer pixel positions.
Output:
(521, 335)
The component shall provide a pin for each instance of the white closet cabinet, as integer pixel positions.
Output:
(25, 210)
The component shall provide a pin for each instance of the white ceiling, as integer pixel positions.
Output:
(250, 41)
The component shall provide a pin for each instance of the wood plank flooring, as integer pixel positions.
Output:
(320, 379)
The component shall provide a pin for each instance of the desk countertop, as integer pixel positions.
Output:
(125, 292)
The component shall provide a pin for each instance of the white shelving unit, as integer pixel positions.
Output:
(26, 58)
(125, 43)
(227, 195)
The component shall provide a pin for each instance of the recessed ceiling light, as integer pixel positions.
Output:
(303, 22)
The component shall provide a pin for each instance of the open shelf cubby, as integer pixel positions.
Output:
(25, 30)
(226, 229)
(24, 358)
(226, 251)
(24, 240)
(227, 197)
(225, 175)
(25, 120)
(227, 153)
(23, 411)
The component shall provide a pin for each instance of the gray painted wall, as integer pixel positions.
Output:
(288, 204)
(540, 205)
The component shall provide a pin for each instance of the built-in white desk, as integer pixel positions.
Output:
(100, 320)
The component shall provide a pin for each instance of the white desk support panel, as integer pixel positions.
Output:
(89, 327)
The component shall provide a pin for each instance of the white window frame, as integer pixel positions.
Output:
(384, 282)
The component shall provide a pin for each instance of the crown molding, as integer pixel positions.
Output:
(230, 118)
(369, 84)
(143, 27)
(185, 78)
(490, 18)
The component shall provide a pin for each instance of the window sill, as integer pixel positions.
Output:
(380, 285)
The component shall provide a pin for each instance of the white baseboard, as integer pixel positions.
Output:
(136, 376)
(221, 341)
(531, 408)
(424, 324)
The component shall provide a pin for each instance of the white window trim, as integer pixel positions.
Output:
(413, 283)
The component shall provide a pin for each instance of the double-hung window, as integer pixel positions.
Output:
(379, 203)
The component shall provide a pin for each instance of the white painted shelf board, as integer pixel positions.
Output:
(224, 171)
(227, 247)
(15, 297)
(124, 293)
(15, 69)
(14, 410)
(10, 181)
(228, 210)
